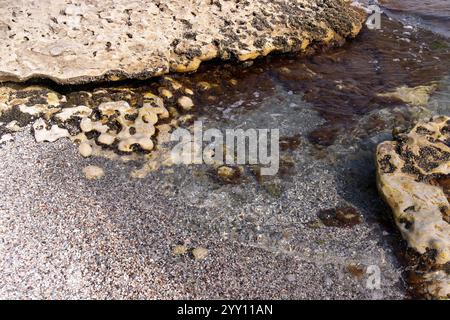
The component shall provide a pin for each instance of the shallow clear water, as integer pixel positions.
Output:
(431, 14)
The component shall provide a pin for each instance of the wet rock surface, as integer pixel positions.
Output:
(413, 173)
(78, 42)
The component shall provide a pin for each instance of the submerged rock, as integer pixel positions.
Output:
(117, 39)
(230, 174)
(413, 175)
(417, 96)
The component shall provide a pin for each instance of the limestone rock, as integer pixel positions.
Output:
(79, 42)
(185, 103)
(79, 112)
(413, 175)
(200, 253)
(6, 138)
(93, 172)
(179, 250)
(230, 174)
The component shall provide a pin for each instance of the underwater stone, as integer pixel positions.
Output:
(185, 103)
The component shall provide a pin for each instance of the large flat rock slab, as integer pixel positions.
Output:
(78, 41)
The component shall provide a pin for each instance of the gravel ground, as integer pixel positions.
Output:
(62, 236)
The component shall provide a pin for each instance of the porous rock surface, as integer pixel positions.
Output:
(82, 41)
(106, 122)
(414, 179)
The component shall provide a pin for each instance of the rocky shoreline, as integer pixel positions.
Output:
(413, 175)
(116, 39)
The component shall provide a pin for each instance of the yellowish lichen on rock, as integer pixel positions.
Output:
(413, 176)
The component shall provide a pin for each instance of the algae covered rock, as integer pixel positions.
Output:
(79, 42)
(413, 175)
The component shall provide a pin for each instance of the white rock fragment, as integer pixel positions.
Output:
(133, 132)
(85, 149)
(413, 176)
(13, 126)
(185, 103)
(417, 96)
(179, 250)
(87, 125)
(79, 112)
(42, 134)
(38, 110)
(166, 93)
(93, 172)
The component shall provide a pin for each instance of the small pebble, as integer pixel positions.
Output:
(165, 93)
(200, 253)
(179, 250)
(229, 174)
(93, 172)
